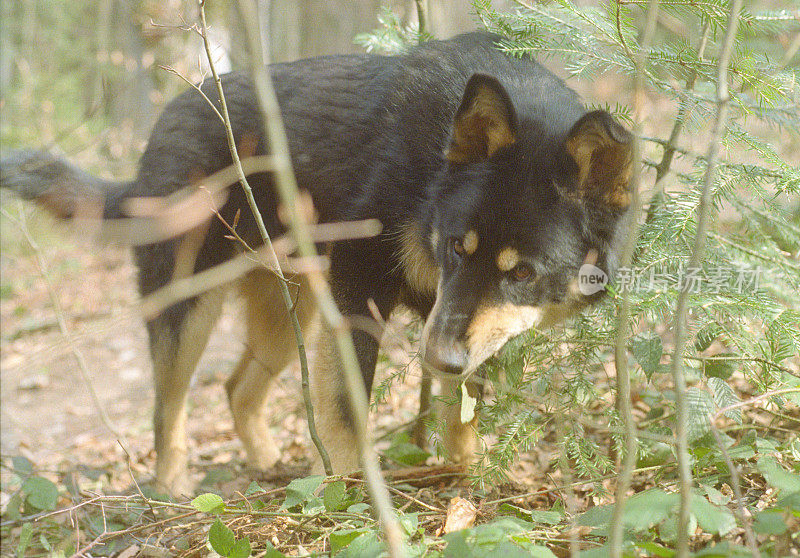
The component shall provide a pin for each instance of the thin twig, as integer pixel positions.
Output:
(271, 255)
(422, 22)
(624, 309)
(703, 211)
(680, 119)
(752, 400)
(670, 146)
(759, 360)
(196, 87)
(569, 498)
(288, 192)
(737, 493)
(83, 367)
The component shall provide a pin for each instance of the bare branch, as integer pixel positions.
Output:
(83, 367)
(624, 308)
(703, 210)
(287, 188)
(271, 255)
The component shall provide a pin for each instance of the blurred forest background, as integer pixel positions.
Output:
(87, 75)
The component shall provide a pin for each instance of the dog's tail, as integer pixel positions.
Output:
(59, 186)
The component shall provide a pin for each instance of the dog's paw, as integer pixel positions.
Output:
(342, 462)
(177, 487)
(263, 457)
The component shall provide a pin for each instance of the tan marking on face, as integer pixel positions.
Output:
(507, 259)
(434, 239)
(493, 325)
(470, 242)
(419, 267)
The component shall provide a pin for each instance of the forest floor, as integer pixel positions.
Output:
(51, 418)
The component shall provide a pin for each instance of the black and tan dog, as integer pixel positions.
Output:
(492, 184)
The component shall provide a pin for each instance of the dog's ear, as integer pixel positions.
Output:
(485, 121)
(603, 151)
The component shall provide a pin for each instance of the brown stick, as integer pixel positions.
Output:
(288, 191)
(271, 255)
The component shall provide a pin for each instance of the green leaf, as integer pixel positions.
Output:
(668, 529)
(406, 453)
(22, 465)
(713, 519)
(299, 490)
(358, 507)
(653, 549)
(498, 530)
(770, 522)
(333, 495)
(457, 545)
(507, 549)
(705, 336)
(649, 508)
(253, 488)
(597, 552)
(534, 516)
(366, 545)
(514, 367)
(241, 549)
(597, 516)
(341, 538)
(719, 367)
(725, 396)
(221, 538)
(209, 503)
(25, 534)
(647, 350)
(12, 511)
(700, 408)
(492, 540)
(44, 542)
(270, 551)
(40, 493)
(715, 496)
(777, 476)
(782, 335)
(409, 522)
(538, 552)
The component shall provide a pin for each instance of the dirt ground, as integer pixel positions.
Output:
(48, 412)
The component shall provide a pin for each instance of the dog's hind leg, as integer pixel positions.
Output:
(178, 337)
(270, 347)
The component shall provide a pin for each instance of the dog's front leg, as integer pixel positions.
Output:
(332, 411)
(460, 439)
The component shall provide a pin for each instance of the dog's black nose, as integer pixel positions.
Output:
(449, 356)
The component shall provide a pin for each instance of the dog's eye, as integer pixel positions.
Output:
(458, 247)
(521, 272)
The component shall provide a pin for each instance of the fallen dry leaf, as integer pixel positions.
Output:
(460, 515)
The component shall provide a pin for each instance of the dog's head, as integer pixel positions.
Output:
(520, 219)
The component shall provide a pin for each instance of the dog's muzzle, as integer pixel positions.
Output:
(445, 355)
